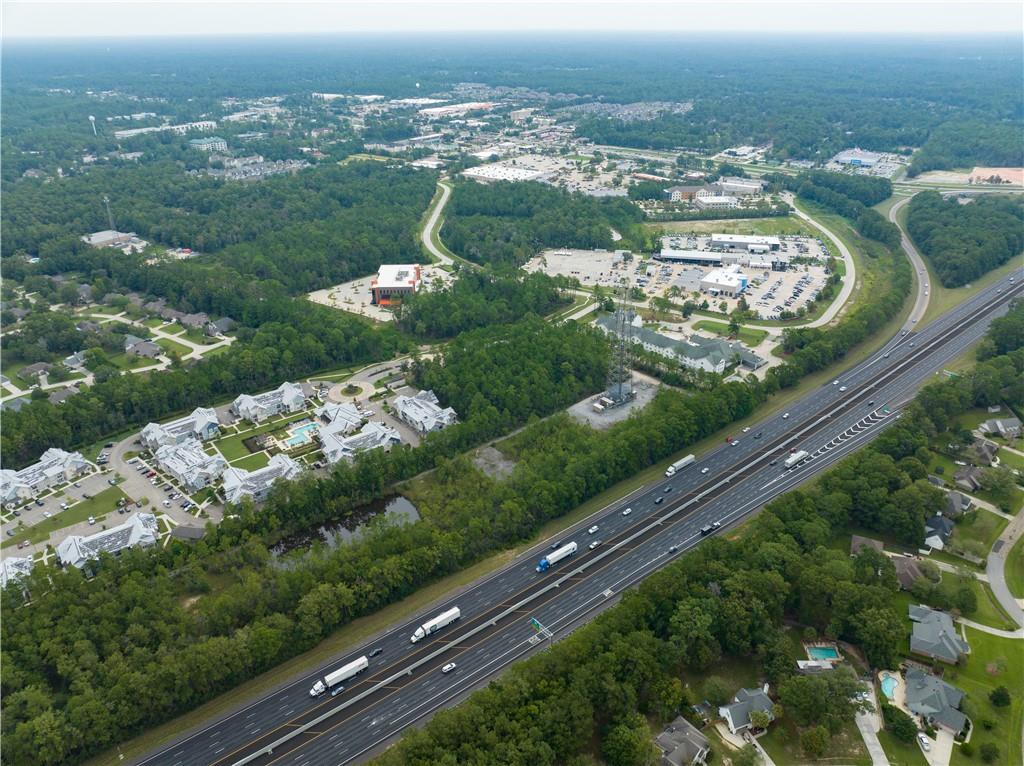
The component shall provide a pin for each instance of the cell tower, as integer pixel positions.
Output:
(620, 372)
(110, 216)
(92, 121)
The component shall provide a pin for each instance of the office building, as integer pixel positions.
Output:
(393, 282)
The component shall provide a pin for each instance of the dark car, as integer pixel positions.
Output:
(375, 652)
(673, 548)
(556, 546)
(40, 503)
(757, 435)
(659, 500)
(706, 530)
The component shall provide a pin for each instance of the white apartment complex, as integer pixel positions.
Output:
(287, 397)
(202, 424)
(55, 466)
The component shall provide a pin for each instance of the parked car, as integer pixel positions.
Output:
(39, 503)
(92, 520)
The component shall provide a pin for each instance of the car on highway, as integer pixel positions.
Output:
(337, 690)
(559, 544)
(594, 544)
(375, 652)
(593, 529)
(842, 389)
(758, 434)
(705, 469)
(659, 500)
(667, 489)
(785, 415)
(627, 511)
(706, 530)
(449, 667)
(835, 382)
(673, 548)
(734, 442)
(746, 429)
(885, 355)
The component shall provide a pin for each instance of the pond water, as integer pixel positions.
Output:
(394, 508)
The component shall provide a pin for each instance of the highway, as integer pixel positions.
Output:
(404, 684)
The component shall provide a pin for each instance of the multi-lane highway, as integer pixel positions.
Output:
(404, 682)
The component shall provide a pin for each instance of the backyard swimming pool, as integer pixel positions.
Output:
(822, 652)
(301, 435)
(888, 684)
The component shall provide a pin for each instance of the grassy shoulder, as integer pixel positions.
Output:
(1014, 569)
(776, 225)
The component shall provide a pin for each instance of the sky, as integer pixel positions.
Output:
(189, 18)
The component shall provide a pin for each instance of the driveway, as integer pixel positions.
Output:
(869, 724)
(942, 749)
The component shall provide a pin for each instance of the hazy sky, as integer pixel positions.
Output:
(134, 18)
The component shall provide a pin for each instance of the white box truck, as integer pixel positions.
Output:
(680, 465)
(795, 458)
(343, 673)
(432, 626)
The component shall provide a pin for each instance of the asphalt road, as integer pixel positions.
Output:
(404, 683)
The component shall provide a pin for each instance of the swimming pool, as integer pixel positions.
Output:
(822, 652)
(888, 684)
(301, 435)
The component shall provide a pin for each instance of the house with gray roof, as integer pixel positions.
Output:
(423, 412)
(201, 424)
(1008, 428)
(934, 635)
(219, 326)
(746, 701)
(240, 483)
(141, 347)
(339, 418)
(907, 571)
(190, 465)
(30, 371)
(61, 395)
(968, 478)
(858, 543)
(934, 700)
(141, 529)
(194, 321)
(957, 504)
(937, 531)
(682, 744)
(985, 452)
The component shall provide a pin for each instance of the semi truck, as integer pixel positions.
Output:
(679, 465)
(555, 556)
(795, 458)
(432, 626)
(343, 673)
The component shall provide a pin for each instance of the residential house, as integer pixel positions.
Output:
(858, 543)
(189, 464)
(202, 424)
(14, 405)
(194, 321)
(287, 397)
(746, 701)
(13, 569)
(682, 744)
(371, 436)
(937, 531)
(75, 361)
(813, 667)
(907, 571)
(1008, 428)
(61, 395)
(339, 419)
(140, 347)
(84, 293)
(220, 326)
(423, 412)
(934, 700)
(141, 529)
(55, 466)
(239, 483)
(32, 371)
(985, 452)
(956, 504)
(87, 326)
(934, 635)
(968, 478)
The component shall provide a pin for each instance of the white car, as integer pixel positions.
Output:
(746, 429)
(835, 382)
(594, 544)
(592, 530)
(842, 389)
(785, 415)
(926, 744)
(704, 470)
(167, 504)
(92, 520)
(449, 667)
(627, 511)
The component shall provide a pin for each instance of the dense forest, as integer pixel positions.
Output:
(479, 298)
(965, 143)
(591, 694)
(965, 241)
(508, 223)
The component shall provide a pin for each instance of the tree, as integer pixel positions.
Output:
(815, 741)
(1001, 483)
(746, 756)
(759, 719)
(717, 690)
(989, 752)
(1000, 696)
(898, 723)
(629, 743)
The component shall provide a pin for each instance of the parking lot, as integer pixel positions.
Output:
(773, 292)
(355, 296)
(591, 267)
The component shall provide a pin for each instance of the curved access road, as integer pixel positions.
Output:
(849, 281)
(921, 302)
(433, 225)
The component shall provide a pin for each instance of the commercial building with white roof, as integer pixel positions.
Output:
(371, 436)
(240, 483)
(140, 529)
(202, 424)
(857, 157)
(729, 281)
(716, 202)
(739, 186)
(749, 242)
(423, 412)
(55, 466)
(287, 397)
(190, 465)
(394, 281)
(14, 568)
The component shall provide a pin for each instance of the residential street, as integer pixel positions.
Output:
(996, 564)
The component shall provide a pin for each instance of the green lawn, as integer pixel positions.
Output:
(215, 351)
(231, 447)
(252, 462)
(126, 361)
(1011, 460)
(200, 338)
(169, 345)
(901, 753)
(989, 612)
(173, 329)
(980, 526)
(746, 335)
(782, 743)
(773, 225)
(993, 662)
(103, 503)
(153, 322)
(1015, 569)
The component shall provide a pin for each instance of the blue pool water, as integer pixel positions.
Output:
(301, 435)
(822, 653)
(888, 685)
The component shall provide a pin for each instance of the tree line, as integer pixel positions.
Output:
(966, 142)
(965, 241)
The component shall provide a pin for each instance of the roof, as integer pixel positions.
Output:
(239, 483)
(935, 635)
(746, 702)
(341, 418)
(681, 743)
(746, 239)
(53, 465)
(938, 525)
(933, 698)
(371, 436)
(139, 529)
(392, 276)
(907, 571)
(201, 421)
(14, 568)
(423, 412)
(287, 394)
(957, 503)
(189, 463)
(857, 543)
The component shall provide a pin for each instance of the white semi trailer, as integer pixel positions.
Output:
(343, 673)
(432, 626)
